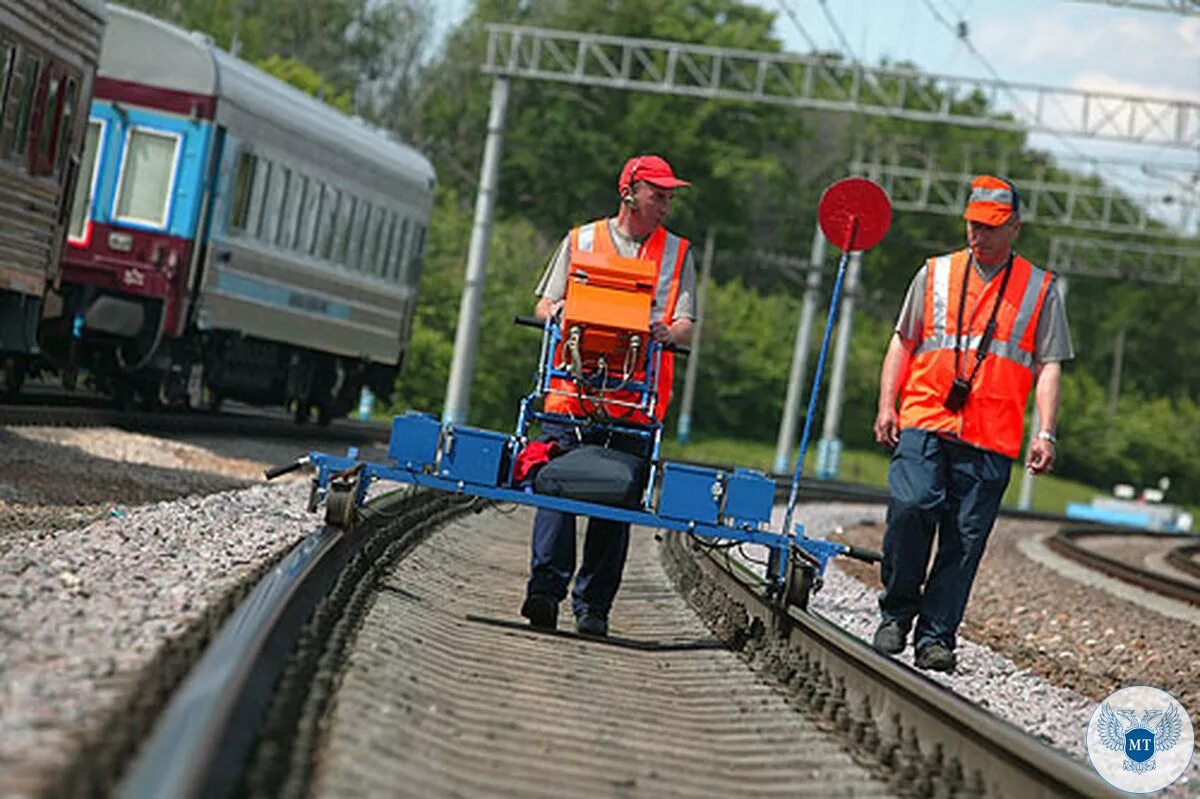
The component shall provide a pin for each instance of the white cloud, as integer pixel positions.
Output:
(1096, 47)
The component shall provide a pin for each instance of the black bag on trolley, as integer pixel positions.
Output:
(597, 474)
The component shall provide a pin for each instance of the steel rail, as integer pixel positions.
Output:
(1067, 542)
(937, 741)
(1186, 559)
(204, 735)
(202, 423)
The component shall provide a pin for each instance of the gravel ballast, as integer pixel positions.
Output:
(100, 575)
(91, 607)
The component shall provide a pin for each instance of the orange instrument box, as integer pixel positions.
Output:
(609, 299)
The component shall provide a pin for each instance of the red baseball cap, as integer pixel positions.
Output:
(652, 169)
(992, 201)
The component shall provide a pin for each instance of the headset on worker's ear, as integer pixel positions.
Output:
(630, 199)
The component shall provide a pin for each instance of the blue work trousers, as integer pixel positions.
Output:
(943, 487)
(604, 547)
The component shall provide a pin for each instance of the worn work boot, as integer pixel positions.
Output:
(541, 610)
(889, 638)
(588, 623)
(936, 657)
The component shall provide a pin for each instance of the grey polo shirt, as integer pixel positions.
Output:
(1052, 341)
(554, 281)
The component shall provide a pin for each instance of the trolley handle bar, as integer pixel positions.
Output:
(866, 555)
(533, 321)
(280, 471)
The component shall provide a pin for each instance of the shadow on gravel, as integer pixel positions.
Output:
(39, 473)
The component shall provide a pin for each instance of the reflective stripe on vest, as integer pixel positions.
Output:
(994, 415)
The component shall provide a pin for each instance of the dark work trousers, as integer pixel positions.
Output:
(604, 547)
(937, 486)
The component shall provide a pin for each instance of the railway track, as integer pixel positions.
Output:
(249, 424)
(412, 676)
(1164, 564)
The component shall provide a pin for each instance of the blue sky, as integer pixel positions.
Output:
(1059, 43)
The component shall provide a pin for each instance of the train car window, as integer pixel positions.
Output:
(43, 155)
(147, 176)
(400, 248)
(342, 238)
(273, 208)
(385, 244)
(327, 223)
(304, 199)
(417, 261)
(306, 236)
(31, 69)
(358, 229)
(243, 185)
(85, 186)
(65, 125)
(371, 254)
(258, 196)
(8, 60)
(291, 205)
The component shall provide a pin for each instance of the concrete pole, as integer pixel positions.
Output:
(684, 430)
(1114, 380)
(1025, 498)
(466, 336)
(829, 452)
(785, 443)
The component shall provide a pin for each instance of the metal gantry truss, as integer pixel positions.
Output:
(817, 82)
(1079, 205)
(1124, 260)
(1184, 7)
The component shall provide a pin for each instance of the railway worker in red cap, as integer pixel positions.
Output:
(979, 331)
(646, 186)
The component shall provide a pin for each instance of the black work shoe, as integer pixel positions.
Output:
(936, 657)
(541, 610)
(889, 638)
(591, 624)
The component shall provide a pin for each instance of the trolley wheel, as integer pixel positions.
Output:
(799, 585)
(339, 504)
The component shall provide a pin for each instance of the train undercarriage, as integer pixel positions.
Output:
(116, 346)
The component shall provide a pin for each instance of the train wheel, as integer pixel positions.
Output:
(14, 375)
(300, 411)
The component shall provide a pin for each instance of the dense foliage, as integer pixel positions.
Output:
(759, 171)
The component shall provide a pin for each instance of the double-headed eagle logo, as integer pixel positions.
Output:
(1120, 730)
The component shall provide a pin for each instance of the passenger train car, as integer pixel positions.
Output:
(236, 238)
(48, 54)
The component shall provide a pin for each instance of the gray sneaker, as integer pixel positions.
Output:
(889, 638)
(936, 657)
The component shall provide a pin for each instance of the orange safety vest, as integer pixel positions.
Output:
(667, 251)
(993, 417)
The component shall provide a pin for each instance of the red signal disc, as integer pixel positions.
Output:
(854, 214)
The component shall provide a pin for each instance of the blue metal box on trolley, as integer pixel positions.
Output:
(414, 441)
(749, 497)
(473, 455)
(691, 492)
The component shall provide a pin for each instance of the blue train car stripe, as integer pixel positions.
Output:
(275, 294)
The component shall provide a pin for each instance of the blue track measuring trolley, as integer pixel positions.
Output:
(599, 353)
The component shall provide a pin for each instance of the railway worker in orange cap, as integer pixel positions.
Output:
(646, 186)
(980, 330)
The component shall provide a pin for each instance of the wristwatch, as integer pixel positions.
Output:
(1046, 435)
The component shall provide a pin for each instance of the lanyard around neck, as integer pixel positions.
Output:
(989, 332)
